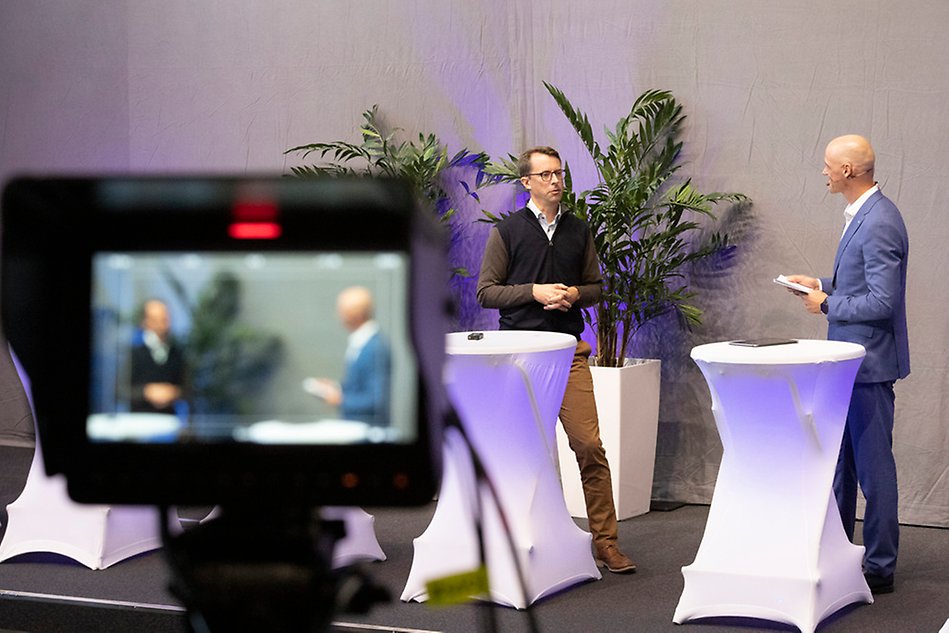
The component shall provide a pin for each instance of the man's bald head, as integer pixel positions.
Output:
(354, 306)
(849, 164)
(856, 151)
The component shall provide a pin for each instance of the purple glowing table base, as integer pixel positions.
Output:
(507, 388)
(774, 547)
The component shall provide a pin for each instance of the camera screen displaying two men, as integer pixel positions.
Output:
(229, 339)
(287, 348)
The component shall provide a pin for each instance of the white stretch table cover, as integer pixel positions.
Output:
(316, 432)
(360, 543)
(507, 389)
(774, 547)
(45, 519)
(134, 427)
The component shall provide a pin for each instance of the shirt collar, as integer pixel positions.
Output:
(156, 347)
(359, 337)
(540, 214)
(854, 206)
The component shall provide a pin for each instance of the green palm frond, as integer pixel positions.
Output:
(644, 223)
(577, 119)
(424, 162)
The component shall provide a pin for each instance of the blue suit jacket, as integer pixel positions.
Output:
(866, 301)
(365, 384)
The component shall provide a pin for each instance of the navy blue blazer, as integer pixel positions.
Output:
(866, 301)
(365, 384)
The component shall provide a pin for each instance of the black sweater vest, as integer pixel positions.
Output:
(535, 260)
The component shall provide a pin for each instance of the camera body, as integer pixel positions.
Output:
(80, 255)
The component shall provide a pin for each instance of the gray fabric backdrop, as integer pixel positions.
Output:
(224, 86)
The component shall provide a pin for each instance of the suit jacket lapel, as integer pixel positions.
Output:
(854, 227)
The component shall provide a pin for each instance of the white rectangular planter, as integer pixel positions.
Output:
(627, 403)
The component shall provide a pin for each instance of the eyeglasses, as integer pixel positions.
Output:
(547, 175)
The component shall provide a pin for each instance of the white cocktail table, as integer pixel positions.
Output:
(507, 388)
(44, 519)
(774, 547)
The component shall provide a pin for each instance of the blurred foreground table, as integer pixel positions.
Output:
(507, 387)
(774, 547)
(44, 519)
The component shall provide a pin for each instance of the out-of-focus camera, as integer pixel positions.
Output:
(249, 273)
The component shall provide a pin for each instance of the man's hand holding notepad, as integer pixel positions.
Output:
(781, 280)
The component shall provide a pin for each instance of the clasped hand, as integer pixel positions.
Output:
(555, 296)
(161, 394)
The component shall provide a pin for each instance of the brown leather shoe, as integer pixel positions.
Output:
(614, 560)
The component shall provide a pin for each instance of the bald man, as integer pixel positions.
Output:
(865, 302)
(363, 394)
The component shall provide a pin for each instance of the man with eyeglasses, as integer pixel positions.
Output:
(539, 270)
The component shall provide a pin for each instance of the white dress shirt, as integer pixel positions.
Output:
(854, 207)
(549, 228)
(358, 339)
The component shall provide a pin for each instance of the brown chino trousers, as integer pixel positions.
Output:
(580, 422)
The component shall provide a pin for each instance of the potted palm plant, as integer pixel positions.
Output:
(645, 225)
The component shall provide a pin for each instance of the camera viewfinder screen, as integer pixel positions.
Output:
(269, 348)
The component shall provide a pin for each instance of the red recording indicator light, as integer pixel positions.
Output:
(254, 220)
(254, 230)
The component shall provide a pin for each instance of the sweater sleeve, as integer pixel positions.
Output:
(493, 291)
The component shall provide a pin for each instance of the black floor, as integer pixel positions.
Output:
(36, 590)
